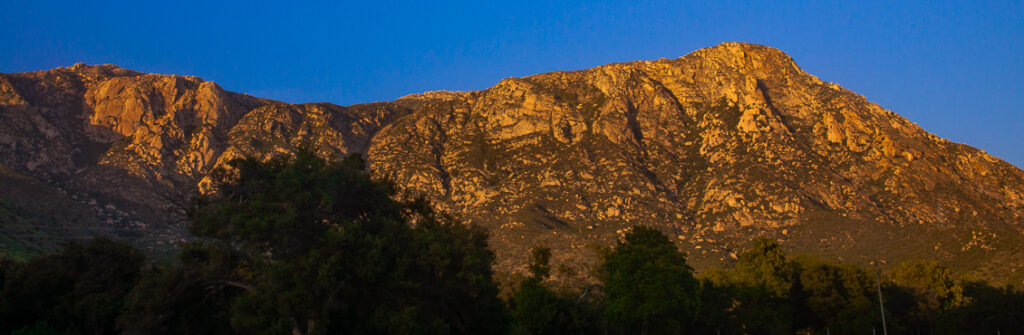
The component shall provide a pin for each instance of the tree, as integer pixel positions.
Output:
(991, 310)
(317, 246)
(452, 271)
(539, 310)
(540, 263)
(716, 302)
(648, 285)
(762, 283)
(79, 290)
(191, 296)
(923, 291)
(838, 299)
(40, 328)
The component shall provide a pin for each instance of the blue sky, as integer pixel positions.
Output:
(956, 68)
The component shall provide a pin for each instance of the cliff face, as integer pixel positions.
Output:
(715, 147)
(123, 148)
(723, 144)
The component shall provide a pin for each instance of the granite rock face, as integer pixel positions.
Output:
(715, 147)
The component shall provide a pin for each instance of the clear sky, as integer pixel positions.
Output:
(956, 67)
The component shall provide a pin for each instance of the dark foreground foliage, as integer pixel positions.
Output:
(304, 245)
(307, 246)
(80, 290)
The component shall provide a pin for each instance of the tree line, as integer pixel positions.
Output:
(304, 245)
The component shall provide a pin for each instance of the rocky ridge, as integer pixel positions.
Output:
(715, 147)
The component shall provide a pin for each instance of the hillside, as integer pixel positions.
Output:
(713, 148)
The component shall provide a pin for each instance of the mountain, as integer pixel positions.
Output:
(713, 148)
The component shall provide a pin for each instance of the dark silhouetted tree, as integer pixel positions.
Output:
(990, 310)
(716, 304)
(79, 290)
(317, 246)
(761, 286)
(192, 296)
(539, 310)
(649, 288)
(921, 292)
(838, 299)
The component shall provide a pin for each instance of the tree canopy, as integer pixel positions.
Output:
(79, 290)
(648, 285)
(306, 245)
(313, 246)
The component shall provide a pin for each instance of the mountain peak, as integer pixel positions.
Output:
(100, 70)
(741, 50)
(747, 56)
(714, 147)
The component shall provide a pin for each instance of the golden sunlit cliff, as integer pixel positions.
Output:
(713, 148)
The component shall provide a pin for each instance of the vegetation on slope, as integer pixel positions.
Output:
(305, 245)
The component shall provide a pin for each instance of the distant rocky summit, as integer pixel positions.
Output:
(714, 148)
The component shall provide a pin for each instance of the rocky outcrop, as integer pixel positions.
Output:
(715, 147)
(129, 145)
